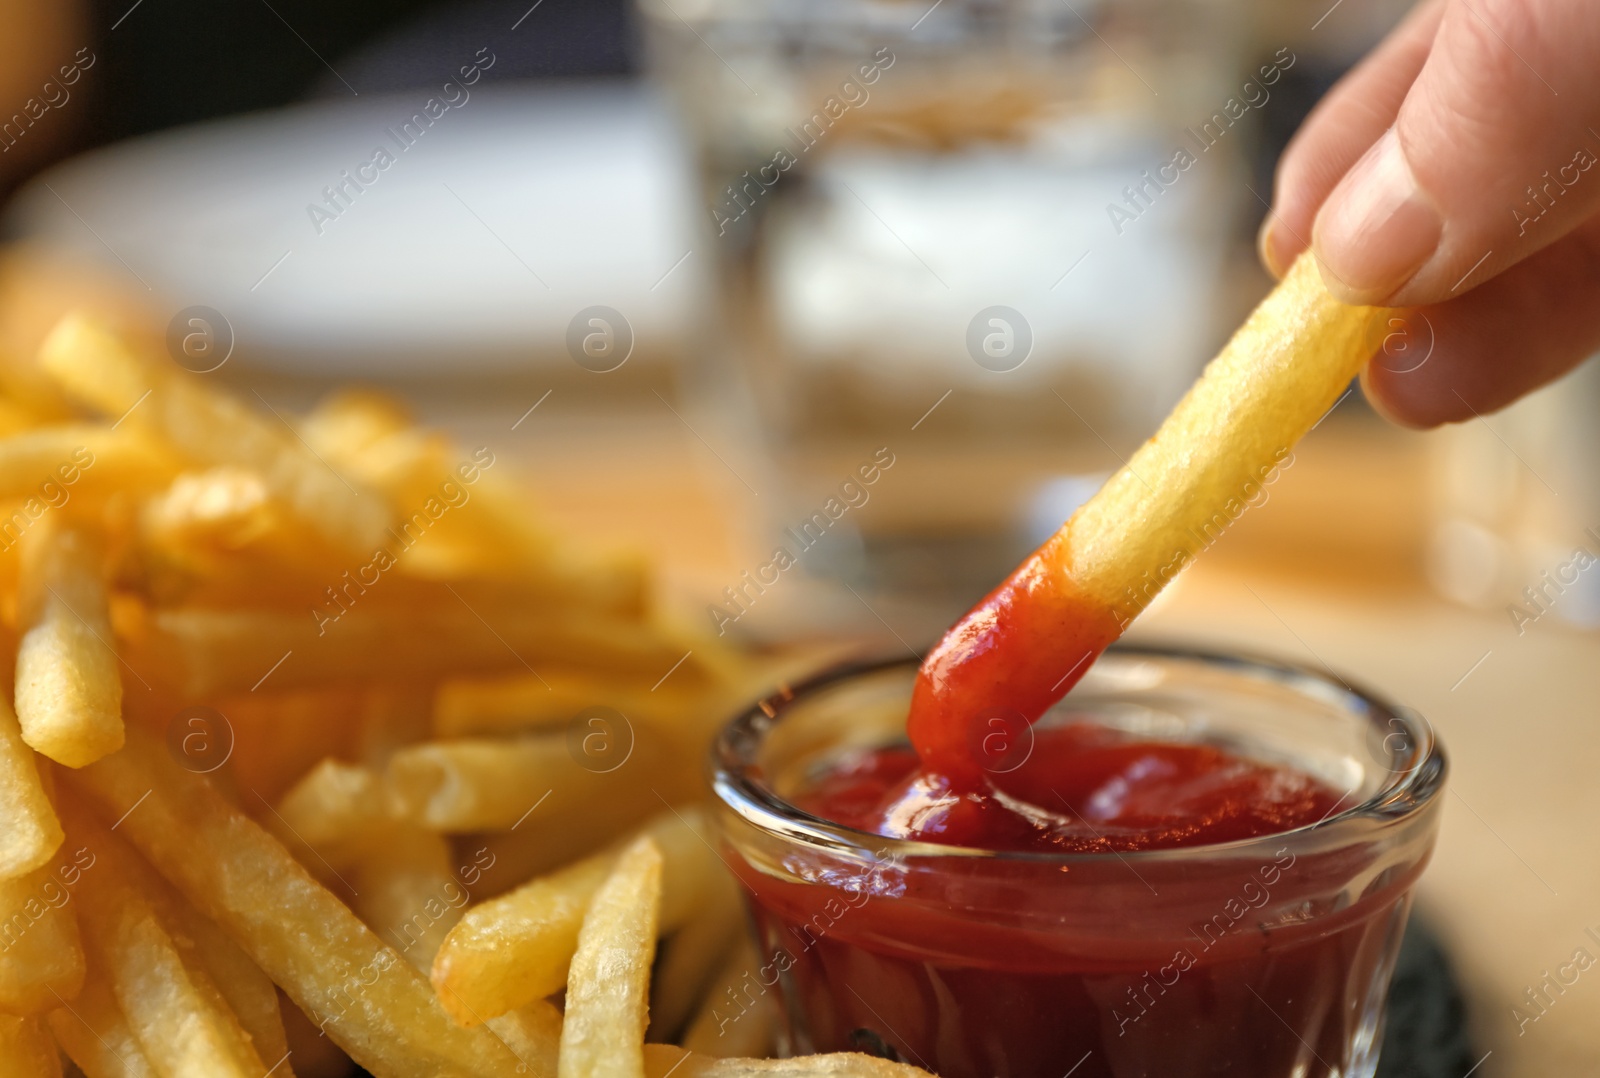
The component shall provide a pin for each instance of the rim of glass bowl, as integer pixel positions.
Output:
(1407, 791)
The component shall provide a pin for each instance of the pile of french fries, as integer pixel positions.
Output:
(324, 753)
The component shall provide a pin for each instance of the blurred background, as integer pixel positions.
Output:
(703, 266)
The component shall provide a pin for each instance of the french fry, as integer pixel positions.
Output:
(68, 685)
(732, 1020)
(58, 463)
(476, 784)
(94, 1033)
(374, 441)
(517, 948)
(93, 365)
(15, 418)
(26, 1050)
(694, 955)
(315, 1055)
(348, 423)
(366, 997)
(520, 703)
(39, 284)
(219, 535)
(41, 957)
(407, 891)
(202, 946)
(30, 834)
(608, 986)
(533, 1032)
(568, 826)
(177, 1015)
(392, 717)
(335, 809)
(207, 652)
(662, 1060)
(488, 784)
(1282, 370)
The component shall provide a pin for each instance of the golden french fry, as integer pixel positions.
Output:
(365, 996)
(95, 1034)
(52, 465)
(315, 1055)
(95, 366)
(517, 948)
(335, 809)
(518, 703)
(176, 1014)
(567, 826)
(347, 423)
(533, 1032)
(68, 687)
(15, 418)
(91, 363)
(371, 439)
(246, 989)
(41, 958)
(406, 891)
(392, 717)
(220, 538)
(694, 955)
(513, 703)
(204, 948)
(476, 784)
(39, 283)
(1282, 370)
(662, 1060)
(208, 652)
(733, 1020)
(607, 770)
(608, 986)
(30, 833)
(26, 1050)
(226, 506)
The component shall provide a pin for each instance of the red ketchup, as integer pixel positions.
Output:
(1251, 965)
(1082, 788)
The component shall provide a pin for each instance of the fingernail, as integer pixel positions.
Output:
(1272, 248)
(1377, 228)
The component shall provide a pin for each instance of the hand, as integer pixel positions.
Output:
(1453, 170)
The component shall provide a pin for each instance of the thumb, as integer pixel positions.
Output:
(1489, 159)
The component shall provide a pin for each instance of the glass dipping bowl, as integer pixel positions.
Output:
(1263, 958)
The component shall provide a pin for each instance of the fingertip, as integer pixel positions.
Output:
(1275, 246)
(1379, 388)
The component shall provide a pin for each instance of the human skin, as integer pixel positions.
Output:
(1431, 177)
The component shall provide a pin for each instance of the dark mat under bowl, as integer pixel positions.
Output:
(1427, 1022)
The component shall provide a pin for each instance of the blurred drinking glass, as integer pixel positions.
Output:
(989, 235)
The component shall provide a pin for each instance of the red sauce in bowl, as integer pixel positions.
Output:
(1077, 788)
(1253, 966)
